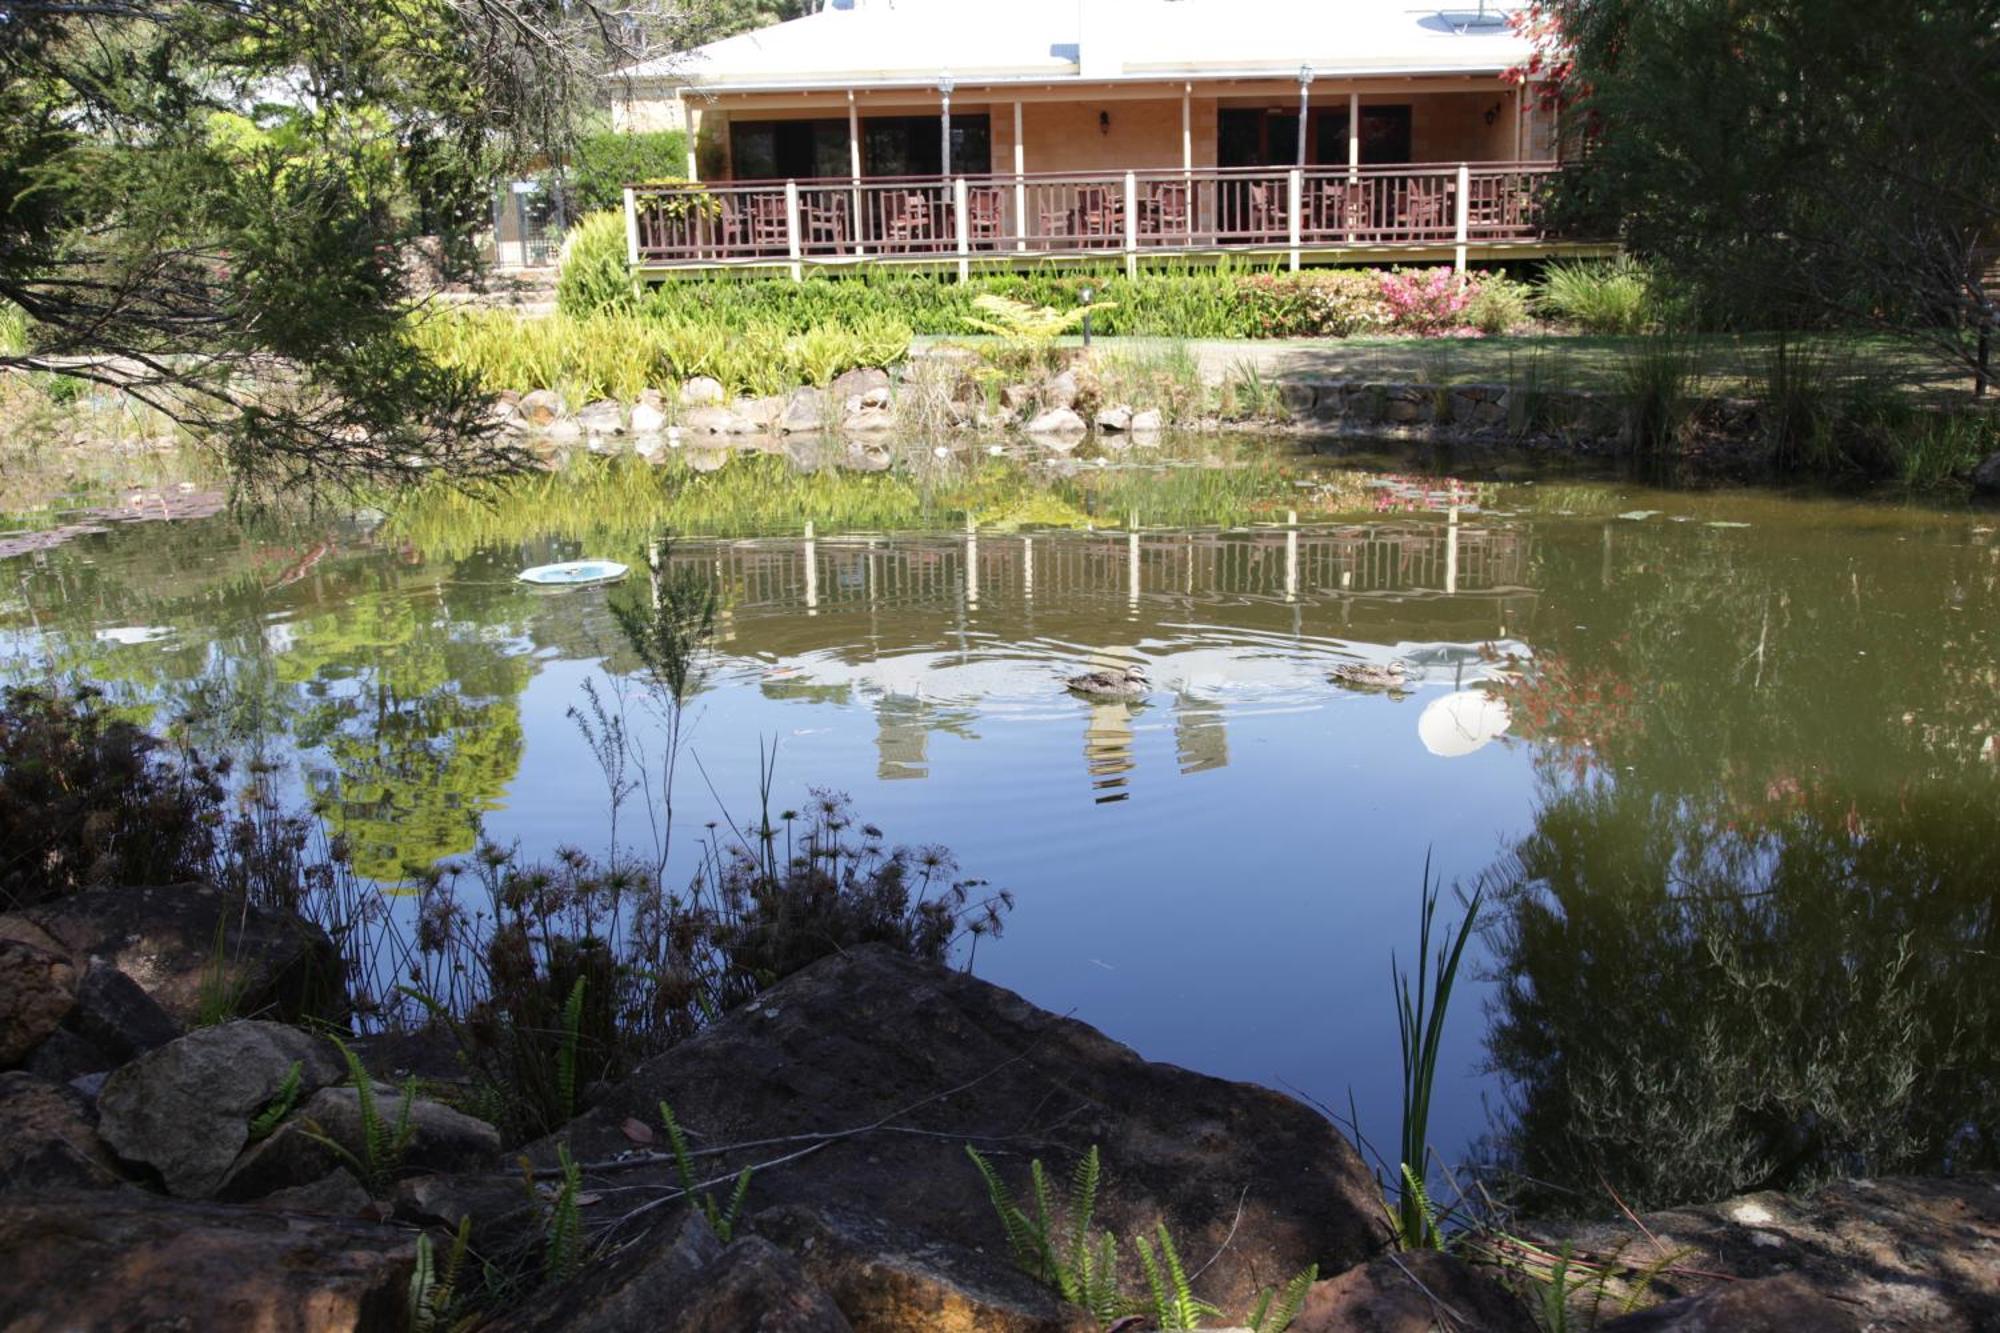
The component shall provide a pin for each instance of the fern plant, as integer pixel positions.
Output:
(383, 1140)
(721, 1219)
(1057, 1245)
(267, 1120)
(1173, 1302)
(1276, 1310)
(563, 1244)
(431, 1292)
(572, 1032)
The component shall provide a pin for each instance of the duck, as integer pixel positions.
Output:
(1372, 675)
(1129, 684)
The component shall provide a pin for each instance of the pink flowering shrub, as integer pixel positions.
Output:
(1430, 303)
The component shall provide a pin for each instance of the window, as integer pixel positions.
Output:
(1385, 136)
(914, 146)
(787, 149)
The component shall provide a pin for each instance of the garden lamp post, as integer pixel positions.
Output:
(1085, 296)
(1305, 102)
(945, 85)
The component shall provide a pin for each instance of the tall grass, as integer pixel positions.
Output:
(13, 329)
(1420, 1018)
(1799, 401)
(1659, 379)
(1166, 378)
(1611, 296)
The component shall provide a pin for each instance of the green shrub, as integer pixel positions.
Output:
(1612, 296)
(1498, 305)
(594, 274)
(606, 163)
(13, 329)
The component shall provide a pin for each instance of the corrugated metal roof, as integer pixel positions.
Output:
(910, 42)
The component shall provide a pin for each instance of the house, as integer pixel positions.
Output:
(998, 132)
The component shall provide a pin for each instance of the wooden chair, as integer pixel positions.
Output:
(1266, 212)
(1425, 211)
(985, 216)
(909, 221)
(1167, 210)
(826, 223)
(1058, 225)
(768, 230)
(1100, 215)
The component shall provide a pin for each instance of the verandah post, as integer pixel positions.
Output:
(1464, 215)
(1131, 225)
(1020, 184)
(631, 228)
(1295, 189)
(963, 231)
(792, 229)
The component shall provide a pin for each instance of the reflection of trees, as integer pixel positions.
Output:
(417, 713)
(1751, 938)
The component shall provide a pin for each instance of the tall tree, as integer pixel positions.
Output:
(210, 204)
(1794, 161)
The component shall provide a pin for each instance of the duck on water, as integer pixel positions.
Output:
(1129, 685)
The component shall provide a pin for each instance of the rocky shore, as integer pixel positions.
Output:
(166, 1164)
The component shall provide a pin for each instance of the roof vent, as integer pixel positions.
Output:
(1489, 14)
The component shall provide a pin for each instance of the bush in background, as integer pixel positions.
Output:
(1609, 296)
(593, 275)
(606, 163)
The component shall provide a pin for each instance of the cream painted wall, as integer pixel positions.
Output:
(1067, 136)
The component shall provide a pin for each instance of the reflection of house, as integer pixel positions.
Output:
(1107, 749)
(1201, 739)
(1002, 132)
(903, 725)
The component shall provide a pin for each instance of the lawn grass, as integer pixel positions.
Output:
(1726, 364)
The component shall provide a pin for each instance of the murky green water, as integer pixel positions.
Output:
(1725, 761)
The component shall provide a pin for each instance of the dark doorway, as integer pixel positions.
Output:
(1258, 137)
(1385, 136)
(761, 150)
(914, 146)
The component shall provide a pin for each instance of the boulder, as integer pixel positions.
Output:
(703, 391)
(542, 408)
(1986, 476)
(648, 419)
(1117, 419)
(755, 1285)
(37, 992)
(1062, 391)
(861, 383)
(68, 1058)
(712, 421)
(1148, 422)
(881, 1277)
(805, 411)
(128, 1260)
(1016, 397)
(1058, 423)
(763, 413)
(185, 1109)
(1899, 1253)
(441, 1139)
(46, 1138)
(1414, 1292)
(1763, 1305)
(869, 421)
(115, 1015)
(1238, 1172)
(563, 432)
(602, 417)
(503, 1217)
(274, 964)
(336, 1194)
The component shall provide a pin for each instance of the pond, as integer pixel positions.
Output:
(1725, 762)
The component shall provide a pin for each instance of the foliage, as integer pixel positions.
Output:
(279, 1106)
(1797, 165)
(432, 1294)
(13, 329)
(1174, 1304)
(88, 799)
(1498, 304)
(562, 1240)
(1606, 296)
(605, 162)
(220, 209)
(383, 1140)
(1420, 1028)
(1661, 380)
(721, 1218)
(1314, 303)
(592, 275)
(1055, 1244)
(1430, 303)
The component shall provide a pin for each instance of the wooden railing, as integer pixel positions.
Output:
(968, 218)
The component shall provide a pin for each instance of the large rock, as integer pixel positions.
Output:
(441, 1140)
(860, 383)
(1058, 423)
(116, 1015)
(1412, 1293)
(1986, 476)
(37, 992)
(805, 412)
(602, 417)
(1062, 391)
(648, 419)
(713, 421)
(1762, 1305)
(1900, 1253)
(185, 1109)
(79, 1263)
(763, 413)
(703, 391)
(541, 408)
(882, 1277)
(46, 1138)
(1116, 419)
(273, 964)
(1238, 1172)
